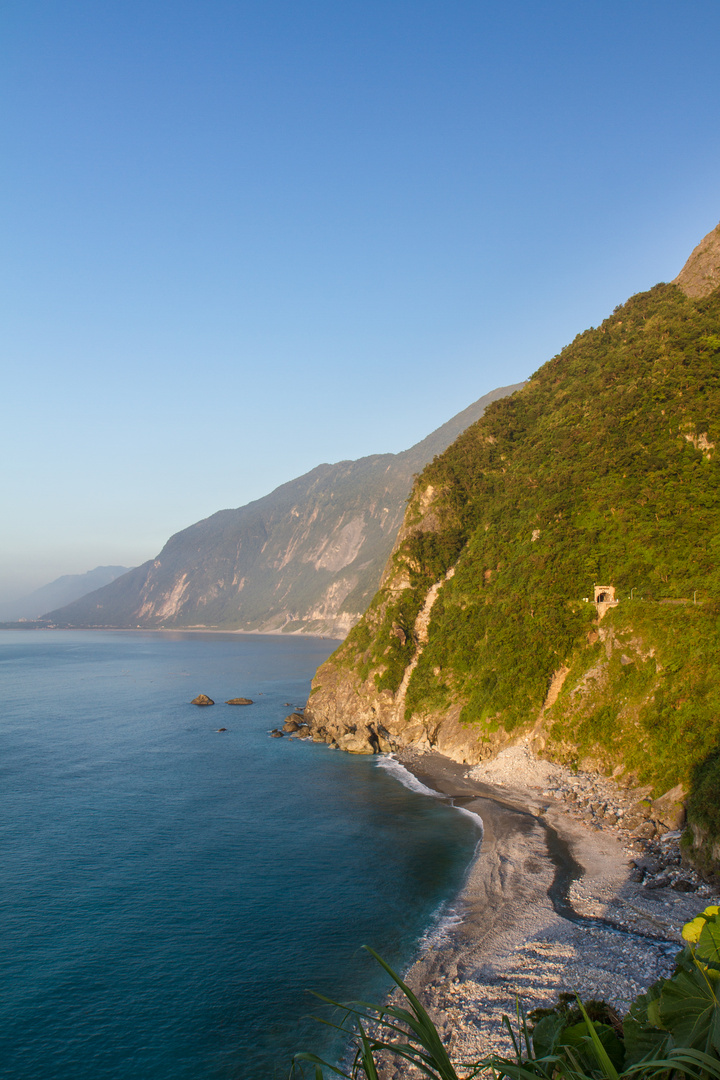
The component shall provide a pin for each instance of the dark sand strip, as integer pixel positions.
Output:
(533, 911)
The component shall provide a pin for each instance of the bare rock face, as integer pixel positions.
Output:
(360, 719)
(202, 699)
(669, 809)
(702, 852)
(701, 273)
(293, 722)
(239, 701)
(351, 713)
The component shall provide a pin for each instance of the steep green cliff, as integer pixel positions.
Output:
(602, 469)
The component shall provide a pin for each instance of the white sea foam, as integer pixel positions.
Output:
(448, 916)
(408, 780)
(471, 814)
(445, 919)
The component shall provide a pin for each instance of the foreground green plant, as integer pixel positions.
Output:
(683, 1010)
(671, 1031)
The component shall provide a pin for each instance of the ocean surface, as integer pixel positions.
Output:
(169, 893)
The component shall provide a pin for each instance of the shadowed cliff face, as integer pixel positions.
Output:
(306, 558)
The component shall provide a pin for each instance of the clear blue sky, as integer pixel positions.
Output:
(242, 238)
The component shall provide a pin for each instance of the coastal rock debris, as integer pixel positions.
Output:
(294, 722)
(202, 699)
(239, 701)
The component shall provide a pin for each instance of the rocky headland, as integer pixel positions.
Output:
(555, 582)
(543, 651)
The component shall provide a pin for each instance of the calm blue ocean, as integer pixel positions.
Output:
(170, 893)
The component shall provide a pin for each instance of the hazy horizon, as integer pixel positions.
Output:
(241, 240)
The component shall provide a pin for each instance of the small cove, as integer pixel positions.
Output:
(513, 813)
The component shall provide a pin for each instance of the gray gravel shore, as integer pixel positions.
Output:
(554, 901)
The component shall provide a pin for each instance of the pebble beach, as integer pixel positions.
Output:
(560, 897)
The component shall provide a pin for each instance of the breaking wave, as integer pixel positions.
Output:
(391, 764)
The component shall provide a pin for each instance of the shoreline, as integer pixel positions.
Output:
(548, 905)
(16, 627)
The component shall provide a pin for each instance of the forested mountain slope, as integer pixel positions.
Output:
(603, 469)
(305, 558)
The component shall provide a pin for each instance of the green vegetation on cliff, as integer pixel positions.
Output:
(603, 469)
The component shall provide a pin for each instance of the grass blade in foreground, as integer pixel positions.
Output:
(376, 1031)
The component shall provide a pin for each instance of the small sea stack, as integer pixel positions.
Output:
(239, 701)
(293, 722)
(202, 699)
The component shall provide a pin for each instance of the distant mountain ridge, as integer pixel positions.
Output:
(62, 591)
(307, 558)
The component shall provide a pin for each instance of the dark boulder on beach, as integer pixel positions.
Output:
(239, 701)
(202, 699)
